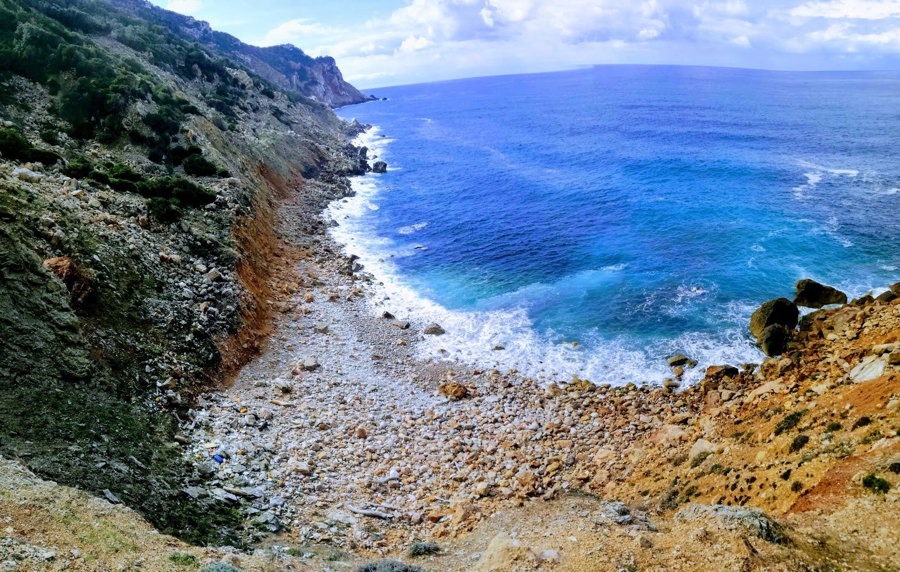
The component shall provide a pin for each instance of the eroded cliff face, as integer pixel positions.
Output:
(136, 201)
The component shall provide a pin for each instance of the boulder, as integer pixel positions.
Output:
(379, 167)
(433, 329)
(779, 311)
(749, 520)
(811, 294)
(773, 340)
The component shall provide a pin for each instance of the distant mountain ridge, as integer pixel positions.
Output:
(285, 66)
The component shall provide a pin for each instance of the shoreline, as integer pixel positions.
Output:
(339, 434)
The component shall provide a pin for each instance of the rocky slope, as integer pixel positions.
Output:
(138, 176)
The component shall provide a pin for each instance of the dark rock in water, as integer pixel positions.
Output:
(433, 329)
(779, 311)
(363, 153)
(895, 288)
(681, 360)
(773, 340)
(886, 297)
(811, 294)
(379, 167)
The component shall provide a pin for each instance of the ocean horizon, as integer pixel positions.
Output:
(597, 221)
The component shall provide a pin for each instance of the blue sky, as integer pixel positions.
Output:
(392, 42)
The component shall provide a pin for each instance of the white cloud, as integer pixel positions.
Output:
(439, 39)
(188, 7)
(849, 9)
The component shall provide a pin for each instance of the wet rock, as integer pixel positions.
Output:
(379, 167)
(811, 294)
(779, 311)
(433, 329)
(774, 339)
(680, 360)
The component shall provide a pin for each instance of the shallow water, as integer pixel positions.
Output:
(594, 222)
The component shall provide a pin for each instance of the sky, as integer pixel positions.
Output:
(394, 42)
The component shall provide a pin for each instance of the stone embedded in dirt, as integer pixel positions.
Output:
(362, 432)
(400, 324)
(213, 275)
(701, 447)
(869, 368)
(454, 390)
(778, 311)
(310, 363)
(503, 552)
(811, 294)
(387, 315)
(321, 328)
(754, 521)
(434, 329)
(303, 468)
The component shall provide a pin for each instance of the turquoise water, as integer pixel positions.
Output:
(638, 211)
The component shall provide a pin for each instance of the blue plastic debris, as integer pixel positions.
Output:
(218, 458)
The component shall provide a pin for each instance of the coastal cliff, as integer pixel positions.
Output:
(139, 176)
(185, 350)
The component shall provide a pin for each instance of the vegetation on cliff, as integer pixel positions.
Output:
(126, 262)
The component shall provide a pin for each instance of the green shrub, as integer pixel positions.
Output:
(789, 422)
(186, 192)
(164, 210)
(13, 144)
(876, 484)
(183, 558)
(199, 166)
(79, 168)
(833, 426)
(799, 442)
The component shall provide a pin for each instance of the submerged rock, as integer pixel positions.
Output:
(811, 294)
(779, 311)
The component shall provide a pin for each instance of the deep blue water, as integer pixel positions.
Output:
(639, 211)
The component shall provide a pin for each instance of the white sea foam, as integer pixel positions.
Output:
(816, 174)
(412, 228)
(758, 248)
(472, 336)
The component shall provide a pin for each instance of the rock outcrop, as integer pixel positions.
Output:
(779, 311)
(811, 294)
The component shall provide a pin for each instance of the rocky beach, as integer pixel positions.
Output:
(194, 375)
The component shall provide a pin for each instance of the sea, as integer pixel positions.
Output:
(594, 222)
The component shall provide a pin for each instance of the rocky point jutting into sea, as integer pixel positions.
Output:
(191, 376)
